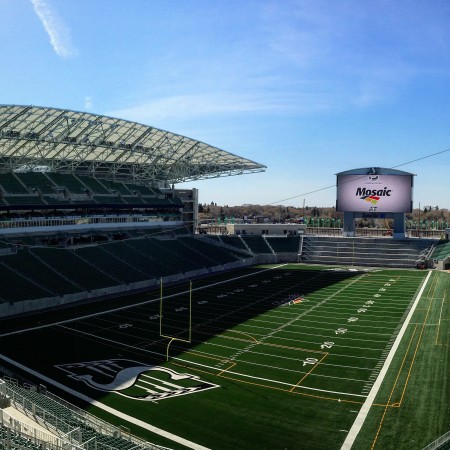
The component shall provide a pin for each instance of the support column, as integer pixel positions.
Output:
(399, 226)
(349, 224)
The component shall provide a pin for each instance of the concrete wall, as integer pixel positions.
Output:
(268, 229)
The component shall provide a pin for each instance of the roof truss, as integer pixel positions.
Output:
(88, 144)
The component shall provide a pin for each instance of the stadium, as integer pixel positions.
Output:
(123, 327)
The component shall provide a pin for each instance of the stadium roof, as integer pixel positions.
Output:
(60, 140)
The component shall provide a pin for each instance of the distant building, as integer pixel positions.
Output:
(272, 229)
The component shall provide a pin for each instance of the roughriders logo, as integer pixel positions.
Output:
(135, 380)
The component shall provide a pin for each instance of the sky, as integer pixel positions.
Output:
(309, 88)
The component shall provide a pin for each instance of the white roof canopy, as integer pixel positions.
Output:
(61, 140)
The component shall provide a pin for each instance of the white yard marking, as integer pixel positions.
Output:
(291, 321)
(359, 421)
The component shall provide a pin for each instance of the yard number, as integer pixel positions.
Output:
(309, 361)
(362, 310)
(341, 330)
(327, 345)
(352, 319)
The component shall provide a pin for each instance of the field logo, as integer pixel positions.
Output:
(135, 380)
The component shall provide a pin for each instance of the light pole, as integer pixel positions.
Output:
(418, 223)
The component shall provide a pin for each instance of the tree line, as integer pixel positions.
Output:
(284, 214)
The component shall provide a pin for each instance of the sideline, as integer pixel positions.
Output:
(364, 411)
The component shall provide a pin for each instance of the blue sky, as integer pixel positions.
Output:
(307, 88)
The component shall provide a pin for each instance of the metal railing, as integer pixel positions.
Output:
(438, 442)
(15, 427)
(75, 429)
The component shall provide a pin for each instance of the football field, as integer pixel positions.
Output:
(272, 357)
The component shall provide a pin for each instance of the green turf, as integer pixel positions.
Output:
(279, 375)
(413, 408)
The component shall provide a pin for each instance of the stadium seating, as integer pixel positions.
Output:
(24, 200)
(11, 184)
(216, 255)
(144, 190)
(15, 287)
(68, 421)
(36, 271)
(10, 439)
(234, 241)
(284, 244)
(108, 199)
(441, 251)
(67, 181)
(54, 201)
(109, 263)
(362, 251)
(23, 240)
(67, 264)
(36, 181)
(133, 200)
(24, 263)
(149, 257)
(114, 186)
(257, 244)
(94, 185)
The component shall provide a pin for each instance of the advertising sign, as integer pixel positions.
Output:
(374, 193)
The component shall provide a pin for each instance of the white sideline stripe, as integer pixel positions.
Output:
(108, 409)
(364, 411)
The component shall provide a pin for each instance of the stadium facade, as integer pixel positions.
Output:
(71, 179)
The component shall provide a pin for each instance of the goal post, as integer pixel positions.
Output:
(175, 337)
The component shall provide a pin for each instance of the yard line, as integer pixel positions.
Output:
(299, 316)
(440, 316)
(359, 421)
(267, 379)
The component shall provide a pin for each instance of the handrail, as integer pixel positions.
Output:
(51, 441)
(438, 442)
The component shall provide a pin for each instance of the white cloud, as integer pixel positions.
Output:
(58, 32)
(219, 104)
(88, 102)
